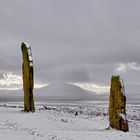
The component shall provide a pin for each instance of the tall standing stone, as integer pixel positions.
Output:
(28, 80)
(117, 105)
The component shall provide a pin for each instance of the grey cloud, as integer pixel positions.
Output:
(71, 40)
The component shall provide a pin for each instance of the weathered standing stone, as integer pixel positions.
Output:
(117, 105)
(28, 80)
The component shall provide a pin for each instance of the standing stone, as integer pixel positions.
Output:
(28, 81)
(117, 105)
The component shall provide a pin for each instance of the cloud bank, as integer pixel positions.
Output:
(72, 41)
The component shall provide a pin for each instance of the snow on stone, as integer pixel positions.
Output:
(27, 45)
(122, 116)
(122, 84)
(29, 54)
(31, 64)
(59, 122)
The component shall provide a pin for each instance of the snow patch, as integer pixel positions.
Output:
(59, 122)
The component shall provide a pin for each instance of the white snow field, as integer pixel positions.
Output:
(64, 122)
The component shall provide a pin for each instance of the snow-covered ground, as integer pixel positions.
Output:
(64, 122)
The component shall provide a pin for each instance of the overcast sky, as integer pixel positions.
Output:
(72, 40)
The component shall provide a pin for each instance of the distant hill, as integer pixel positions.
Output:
(55, 91)
(133, 93)
(63, 91)
(67, 92)
(11, 95)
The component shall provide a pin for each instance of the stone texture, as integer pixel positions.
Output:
(117, 105)
(28, 80)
